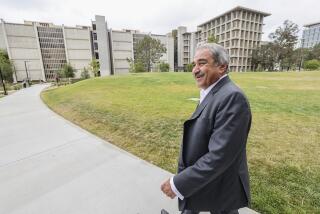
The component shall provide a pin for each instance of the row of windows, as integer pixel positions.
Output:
(239, 35)
(253, 17)
(240, 61)
(49, 29)
(241, 52)
(311, 31)
(51, 46)
(52, 51)
(54, 66)
(49, 35)
(240, 68)
(95, 37)
(95, 46)
(242, 43)
(51, 40)
(54, 61)
(245, 26)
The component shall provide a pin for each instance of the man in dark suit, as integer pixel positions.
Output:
(212, 170)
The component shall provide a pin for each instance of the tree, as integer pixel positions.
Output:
(148, 51)
(264, 58)
(164, 67)
(212, 39)
(284, 40)
(188, 67)
(135, 67)
(94, 67)
(6, 66)
(67, 71)
(313, 53)
(85, 73)
(311, 64)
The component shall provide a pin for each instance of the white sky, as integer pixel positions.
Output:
(158, 17)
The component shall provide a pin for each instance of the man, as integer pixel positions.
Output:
(212, 169)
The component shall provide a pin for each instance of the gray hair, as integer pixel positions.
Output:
(219, 53)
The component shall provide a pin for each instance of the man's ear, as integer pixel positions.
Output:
(223, 69)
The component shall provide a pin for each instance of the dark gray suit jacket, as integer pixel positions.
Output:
(212, 171)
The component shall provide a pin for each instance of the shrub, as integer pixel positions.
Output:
(85, 74)
(164, 67)
(67, 71)
(188, 67)
(311, 64)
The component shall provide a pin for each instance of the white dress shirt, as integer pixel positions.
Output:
(203, 94)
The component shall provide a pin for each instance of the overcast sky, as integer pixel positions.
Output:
(159, 16)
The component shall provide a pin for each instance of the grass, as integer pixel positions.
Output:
(144, 113)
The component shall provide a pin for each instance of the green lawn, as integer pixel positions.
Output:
(144, 113)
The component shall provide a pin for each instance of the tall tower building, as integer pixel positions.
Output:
(239, 30)
(311, 35)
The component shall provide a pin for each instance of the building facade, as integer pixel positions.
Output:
(121, 47)
(311, 35)
(239, 30)
(39, 50)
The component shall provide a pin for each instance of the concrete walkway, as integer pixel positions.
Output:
(49, 165)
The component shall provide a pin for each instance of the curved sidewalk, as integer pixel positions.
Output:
(49, 165)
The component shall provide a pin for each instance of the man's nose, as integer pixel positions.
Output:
(195, 69)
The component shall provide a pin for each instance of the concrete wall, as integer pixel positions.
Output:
(2, 37)
(103, 46)
(181, 30)
(23, 50)
(78, 48)
(168, 42)
(122, 49)
(170, 51)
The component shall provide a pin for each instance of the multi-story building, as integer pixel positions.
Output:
(311, 35)
(101, 45)
(39, 50)
(239, 30)
(167, 40)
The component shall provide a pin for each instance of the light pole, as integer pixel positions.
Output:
(301, 55)
(25, 65)
(2, 81)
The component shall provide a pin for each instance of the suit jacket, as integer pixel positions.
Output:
(212, 168)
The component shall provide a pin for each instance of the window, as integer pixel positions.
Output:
(95, 46)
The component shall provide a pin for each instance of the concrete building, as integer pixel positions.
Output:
(239, 30)
(77, 47)
(311, 35)
(22, 45)
(39, 50)
(122, 50)
(113, 48)
(168, 42)
(101, 45)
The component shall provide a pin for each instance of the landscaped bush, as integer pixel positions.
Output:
(311, 64)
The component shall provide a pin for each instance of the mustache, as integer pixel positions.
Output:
(198, 73)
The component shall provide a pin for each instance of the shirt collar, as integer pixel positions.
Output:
(204, 92)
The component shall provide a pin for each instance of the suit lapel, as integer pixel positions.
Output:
(209, 97)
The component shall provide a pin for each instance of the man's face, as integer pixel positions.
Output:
(205, 70)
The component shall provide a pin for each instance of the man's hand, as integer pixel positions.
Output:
(166, 189)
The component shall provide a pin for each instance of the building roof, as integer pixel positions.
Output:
(310, 25)
(235, 9)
